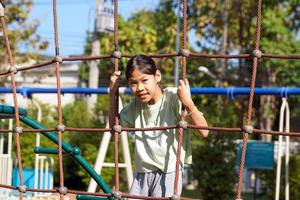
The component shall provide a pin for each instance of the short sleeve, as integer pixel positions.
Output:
(127, 116)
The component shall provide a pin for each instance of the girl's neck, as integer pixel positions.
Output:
(156, 98)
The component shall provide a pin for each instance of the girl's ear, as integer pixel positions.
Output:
(158, 76)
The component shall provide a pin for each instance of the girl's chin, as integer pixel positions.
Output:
(144, 100)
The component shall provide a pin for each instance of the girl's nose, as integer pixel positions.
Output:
(140, 87)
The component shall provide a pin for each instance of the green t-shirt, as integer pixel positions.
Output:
(156, 150)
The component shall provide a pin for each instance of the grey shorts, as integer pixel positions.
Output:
(155, 184)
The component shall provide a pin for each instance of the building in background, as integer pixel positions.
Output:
(45, 77)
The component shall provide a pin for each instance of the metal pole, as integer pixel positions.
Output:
(93, 65)
(176, 72)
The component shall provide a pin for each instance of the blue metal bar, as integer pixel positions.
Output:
(230, 91)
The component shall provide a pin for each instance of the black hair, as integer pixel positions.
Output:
(141, 62)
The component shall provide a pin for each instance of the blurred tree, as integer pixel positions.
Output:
(21, 31)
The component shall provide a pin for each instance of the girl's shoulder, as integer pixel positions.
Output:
(171, 94)
(131, 105)
(170, 91)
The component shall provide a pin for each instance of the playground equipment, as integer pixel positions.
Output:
(5, 159)
(184, 53)
(102, 152)
(284, 123)
(8, 111)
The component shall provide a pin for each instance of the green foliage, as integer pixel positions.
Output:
(214, 157)
(269, 178)
(21, 31)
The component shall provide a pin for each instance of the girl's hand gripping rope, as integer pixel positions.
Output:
(114, 82)
(184, 95)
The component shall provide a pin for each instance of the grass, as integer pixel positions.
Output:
(194, 194)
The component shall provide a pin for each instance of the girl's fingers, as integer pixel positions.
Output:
(115, 75)
(187, 83)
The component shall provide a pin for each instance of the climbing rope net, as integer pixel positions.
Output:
(184, 54)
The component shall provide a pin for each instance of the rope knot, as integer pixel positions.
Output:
(58, 59)
(117, 195)
(185, 52)
(257, 53)
(182, 124)
(13, 69)
(175, 197)
(22, 188)
(19, 129)
(60, 127)
(248, 129)
(117, 128)
(62, 190)
(117, 54)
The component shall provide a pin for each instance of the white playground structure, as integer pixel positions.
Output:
(99, 164)
(43, 179)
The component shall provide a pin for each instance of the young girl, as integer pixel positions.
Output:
(152, 106)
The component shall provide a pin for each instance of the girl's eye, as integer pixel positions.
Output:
(132, 83)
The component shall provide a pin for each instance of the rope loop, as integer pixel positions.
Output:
(230, 93)
(284, 92)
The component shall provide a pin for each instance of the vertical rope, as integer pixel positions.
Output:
(15, 100)
(183, 65)
(250, 103)
(116, 25)
(55, 28)
(184, 38)
(59, 107)
(116, 98)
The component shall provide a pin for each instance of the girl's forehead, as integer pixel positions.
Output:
(137, 74)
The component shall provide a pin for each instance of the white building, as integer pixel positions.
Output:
(44, 77)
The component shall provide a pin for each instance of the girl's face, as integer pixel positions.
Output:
(145, 86)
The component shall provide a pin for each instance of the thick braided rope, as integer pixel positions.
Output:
(116, 99)
(17, 117)
(250, 102)
(182, 116)
(59, 107)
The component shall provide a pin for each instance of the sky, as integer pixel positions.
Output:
(75, 19)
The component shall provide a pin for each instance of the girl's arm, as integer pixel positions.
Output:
(196, 116)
